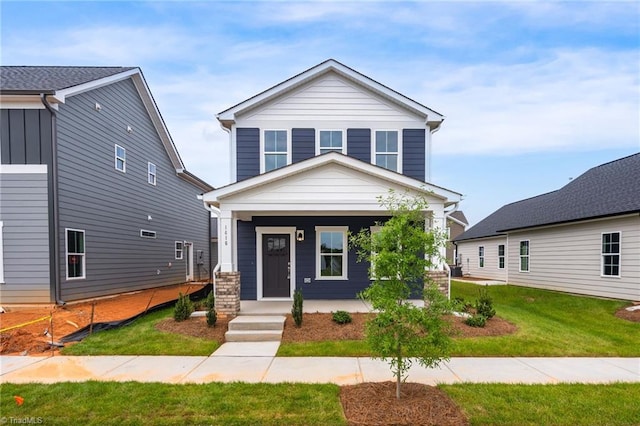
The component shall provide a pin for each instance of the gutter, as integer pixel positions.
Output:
(55, 201)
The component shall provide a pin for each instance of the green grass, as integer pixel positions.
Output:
(562, 404)
(549, 324)
(142, 338)
(111, 403)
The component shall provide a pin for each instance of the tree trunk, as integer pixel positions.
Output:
(399, 372)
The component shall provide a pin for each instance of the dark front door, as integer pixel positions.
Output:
(276, 268)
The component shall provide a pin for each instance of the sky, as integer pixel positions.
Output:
(534, 93)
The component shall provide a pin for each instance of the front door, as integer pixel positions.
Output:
(276, 266)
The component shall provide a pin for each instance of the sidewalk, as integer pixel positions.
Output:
(342, 371)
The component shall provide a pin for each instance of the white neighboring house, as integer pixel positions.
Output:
(583, 238)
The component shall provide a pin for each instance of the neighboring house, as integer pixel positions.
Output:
(94, 198)
(457, 223)
(310, 157)
(583, 238)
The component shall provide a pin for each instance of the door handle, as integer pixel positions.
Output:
(288, 270)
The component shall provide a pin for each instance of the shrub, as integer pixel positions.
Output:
(342, 317)
(296, 311)
(210, 305)
(484, 304)
(183, 309)
(476, 321)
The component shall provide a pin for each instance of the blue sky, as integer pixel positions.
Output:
(534, 93)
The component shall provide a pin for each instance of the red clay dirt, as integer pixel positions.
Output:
(60, 321)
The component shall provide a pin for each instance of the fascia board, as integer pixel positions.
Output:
(60, 95)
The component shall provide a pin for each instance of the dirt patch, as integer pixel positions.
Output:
(628, 315)
(196, 327)
(59, 321)
(376, 404)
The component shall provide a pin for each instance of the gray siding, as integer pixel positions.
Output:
(413, 153)
(468, 250)
(247, 153)
(25, 136)
(112, 207)
(303, 144)
(359, 144)
(25, 238)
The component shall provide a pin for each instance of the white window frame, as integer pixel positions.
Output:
(123, 159)
(82, 255)
(263, 152)
(343, 148)
(501, 257)
(143, 231)
(345, 252)
(619, 254)
(152, 176)
(1, 252)
(179, 251)
(480, 256)
(374, 152)
(522, 256)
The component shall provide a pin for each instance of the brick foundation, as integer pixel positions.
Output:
(228, 293)
(441, 278)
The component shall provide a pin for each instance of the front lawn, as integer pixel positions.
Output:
(111, 403)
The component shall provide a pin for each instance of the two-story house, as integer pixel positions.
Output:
(94, 197)
(310, 157)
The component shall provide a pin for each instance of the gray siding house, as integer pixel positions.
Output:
(94, 198)
(310, 157)
(583, 238)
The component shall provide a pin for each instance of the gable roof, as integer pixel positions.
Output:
(459, 217)
(228, 116)
(59, 82)
(610, 189)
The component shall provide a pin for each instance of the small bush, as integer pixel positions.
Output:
(210, 305)
(183, 309)
(212, 317)
(484, 304)
(296, 311)
(476, 321)
(342, 317)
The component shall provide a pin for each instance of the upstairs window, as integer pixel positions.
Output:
(524, 256)
(151, 173)
(611, 254)
(387, 150)
(121, 158)
(330, 140)
(481, 256)
(179, 250)
(501, 256)
(275, 149)
(75, 254)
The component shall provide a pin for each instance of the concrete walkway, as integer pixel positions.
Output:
(240, 364)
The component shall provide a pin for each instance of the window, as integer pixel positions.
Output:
(275, 149)
(481, 256)
(151, 173)
(387, 150)
(331, 249)
(147, 234)
(179, 250)
(524, 256)
(121, 159)
(611, 254)
(501, 256)
(75, 254)
(330, 140)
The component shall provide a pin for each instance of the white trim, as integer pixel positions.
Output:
(22, 168)
(528, 256)
(343, 134)
(260, 231)
(61, 95)
(189, 272)
(504, 258)
(123, 159)
(82, 255)
(398, 153)
(1, 252)
(176, 250)
(150, 174)
(602, 255)
(263, 152)
(481, 257)
(154, 236)
(22, 102)
(345, 252)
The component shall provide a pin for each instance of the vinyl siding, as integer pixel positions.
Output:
(112, 207)
(25, 136)
(468, 251)
(413, 153)
(24, 212)
(567, 258)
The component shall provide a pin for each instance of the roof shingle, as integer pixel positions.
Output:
(51, 78)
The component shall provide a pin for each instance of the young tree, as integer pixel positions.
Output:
(400, 254)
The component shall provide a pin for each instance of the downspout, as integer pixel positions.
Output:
(216, 212)
(55, 201)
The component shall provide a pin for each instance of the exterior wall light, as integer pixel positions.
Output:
(299, 235)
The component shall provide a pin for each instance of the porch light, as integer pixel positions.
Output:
(299, 235)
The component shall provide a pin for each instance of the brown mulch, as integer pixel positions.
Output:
(376, 404)
(31, 339)
(196, 327)
(629, 315)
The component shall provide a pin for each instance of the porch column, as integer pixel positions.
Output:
(228, 293)
(225, 244)
(438, 222)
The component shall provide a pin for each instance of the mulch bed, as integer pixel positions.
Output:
(629, 315)
(196, 327)
(376, 404)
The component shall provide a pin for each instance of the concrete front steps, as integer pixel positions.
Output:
(255, 328)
